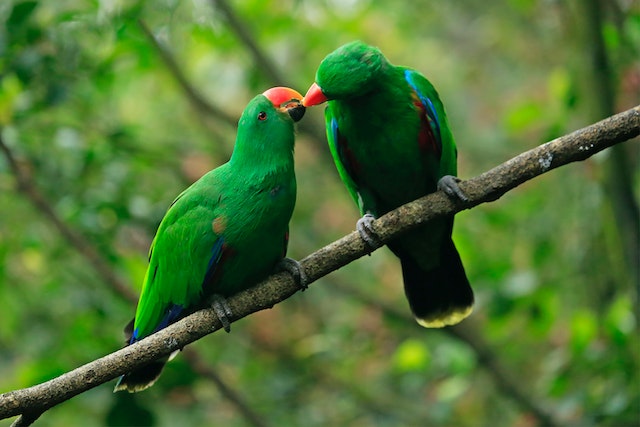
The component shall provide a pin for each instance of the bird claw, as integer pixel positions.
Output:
(367, 233)
(449, 184)
(223, 311)
(294, 268)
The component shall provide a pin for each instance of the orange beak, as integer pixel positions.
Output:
(282, 95)
(314, 96)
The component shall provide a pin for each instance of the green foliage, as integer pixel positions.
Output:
(98, 122)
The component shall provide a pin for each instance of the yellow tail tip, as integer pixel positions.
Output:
(132, 388)
(449, 318)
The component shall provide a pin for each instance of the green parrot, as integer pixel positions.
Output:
(227, 231)
(391, 143)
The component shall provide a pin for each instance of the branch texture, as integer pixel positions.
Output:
(489, 186)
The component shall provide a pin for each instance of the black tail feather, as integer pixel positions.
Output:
(142, 378)
(441, 296)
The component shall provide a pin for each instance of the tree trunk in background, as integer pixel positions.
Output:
(617, 171)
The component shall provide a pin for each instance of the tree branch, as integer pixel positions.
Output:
(489, 186)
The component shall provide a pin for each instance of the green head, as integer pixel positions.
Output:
(266, 125)
(351, 70)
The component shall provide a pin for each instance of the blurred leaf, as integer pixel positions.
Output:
(10, 89)
(584, 329)
(452, 388)
(611, 36)
(620, 322)
(127, 411)
(562, 89)
(411, 355)
(523, 116)
(20, 14)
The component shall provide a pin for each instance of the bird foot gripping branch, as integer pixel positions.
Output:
(223, 311)
(449, 184)
(294, 268)
(367, 233)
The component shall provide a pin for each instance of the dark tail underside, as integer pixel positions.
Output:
(441, 296)
(142, 378)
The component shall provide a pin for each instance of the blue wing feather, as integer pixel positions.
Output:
(339, 143)
(172, 314)
(174, 311)
(431, 113)
(214, 261)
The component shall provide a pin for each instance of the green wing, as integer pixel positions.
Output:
(340, 153)
(184, 253)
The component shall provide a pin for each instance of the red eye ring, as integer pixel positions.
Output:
(262, 116)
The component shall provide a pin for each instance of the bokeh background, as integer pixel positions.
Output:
(108, 109)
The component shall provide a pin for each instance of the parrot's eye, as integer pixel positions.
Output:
(262, 115)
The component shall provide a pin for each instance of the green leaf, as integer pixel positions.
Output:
(20, 14)
(584, 329)
(411, 355)
(523, 116)
(620, 322)
(127, 410)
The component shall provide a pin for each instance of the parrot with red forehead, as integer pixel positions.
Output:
(391, 143)
(227, 231)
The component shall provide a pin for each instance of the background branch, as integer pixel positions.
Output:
(199, 103)
(270, 69)
(488, 186)
(201, 368)
(468, 334)
(244, 34)
(26, 186)
(618, 172)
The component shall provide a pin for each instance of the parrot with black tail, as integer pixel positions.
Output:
(389, 137)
